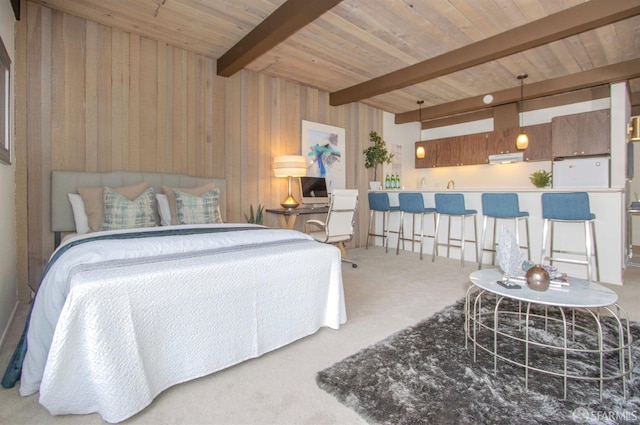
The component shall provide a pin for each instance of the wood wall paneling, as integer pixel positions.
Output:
(101, 99)
(20, 149)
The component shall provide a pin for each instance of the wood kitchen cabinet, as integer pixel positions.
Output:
(462, 150)
(448, 151)
(430, 154)
(502, 141)
(474, 150)
(539, 148)
(587, 133)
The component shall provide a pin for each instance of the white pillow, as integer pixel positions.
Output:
(163, 209)
(79, 214)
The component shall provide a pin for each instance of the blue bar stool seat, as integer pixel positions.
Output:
(452, 205)
(502, 206)
(570, 207)
(379, 202)
(413, 203)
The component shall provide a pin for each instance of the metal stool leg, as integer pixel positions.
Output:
(369, 232)
(421, 235)
(545, 229)
(448, 235)
(595, 250)
(494, 243)
(463, 219)
(413, 231)
(482, 242)
(475, 234)
(435, 241)
(385, 230)
(526, 224)
(400, 233)
(588, 245)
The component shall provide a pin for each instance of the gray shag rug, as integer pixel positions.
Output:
(424, 375)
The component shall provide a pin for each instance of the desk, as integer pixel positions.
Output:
(608, 349)
(287, 217)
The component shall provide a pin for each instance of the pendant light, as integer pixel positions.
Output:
(522, 142)
(420, 149)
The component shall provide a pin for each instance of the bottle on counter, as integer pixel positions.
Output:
(387, 182)
(397, 181)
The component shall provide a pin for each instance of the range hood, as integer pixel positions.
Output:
(505, 158)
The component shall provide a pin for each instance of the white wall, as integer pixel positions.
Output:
(634, 193)
(620, 113)
(8, 293)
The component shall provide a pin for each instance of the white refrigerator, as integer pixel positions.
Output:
(590, 172)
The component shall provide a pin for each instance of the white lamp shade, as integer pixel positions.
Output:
(635, 129)
(289, 165)
(420, 152)
(522, 142)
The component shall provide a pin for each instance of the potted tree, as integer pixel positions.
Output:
(375, 155)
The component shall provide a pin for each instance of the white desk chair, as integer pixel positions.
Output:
(339, 225)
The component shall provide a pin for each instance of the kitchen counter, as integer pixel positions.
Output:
(607, 204)
(498, 190)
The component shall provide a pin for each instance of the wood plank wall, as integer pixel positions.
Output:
(101, 99)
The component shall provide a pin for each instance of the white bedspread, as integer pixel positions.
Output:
(116, 322)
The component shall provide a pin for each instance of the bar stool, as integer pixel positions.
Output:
(452, 205)
(502, 206)
(571, 207)
(379, 202)
(413, 203)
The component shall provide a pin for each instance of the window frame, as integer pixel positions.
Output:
(5, 115)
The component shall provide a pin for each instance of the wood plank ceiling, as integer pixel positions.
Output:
(358, 50)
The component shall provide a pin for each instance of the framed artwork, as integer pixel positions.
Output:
(5, 133)
(324, 148)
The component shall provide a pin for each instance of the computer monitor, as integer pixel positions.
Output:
(313, 191)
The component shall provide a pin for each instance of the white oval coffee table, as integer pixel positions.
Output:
(611, 339)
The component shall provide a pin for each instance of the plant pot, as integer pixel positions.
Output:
(374, 185)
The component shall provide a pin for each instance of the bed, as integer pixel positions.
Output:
(123, 314)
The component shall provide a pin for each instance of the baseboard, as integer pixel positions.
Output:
(6, 329)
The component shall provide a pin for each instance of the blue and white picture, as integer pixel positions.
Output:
(324, 146)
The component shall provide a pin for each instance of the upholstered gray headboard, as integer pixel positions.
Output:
(64, 182)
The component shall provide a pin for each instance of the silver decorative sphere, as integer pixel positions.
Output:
(538, 278)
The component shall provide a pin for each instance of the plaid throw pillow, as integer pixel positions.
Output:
(121, 213)
(203, 209)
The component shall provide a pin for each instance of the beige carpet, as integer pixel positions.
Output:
(384, 294)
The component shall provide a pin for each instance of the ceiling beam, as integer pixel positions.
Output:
(590, 94)
(607, 74)
(290, 17)
(577, 19)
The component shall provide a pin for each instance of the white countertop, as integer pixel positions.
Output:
(512, 189)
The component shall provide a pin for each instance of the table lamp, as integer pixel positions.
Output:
(289, 166)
